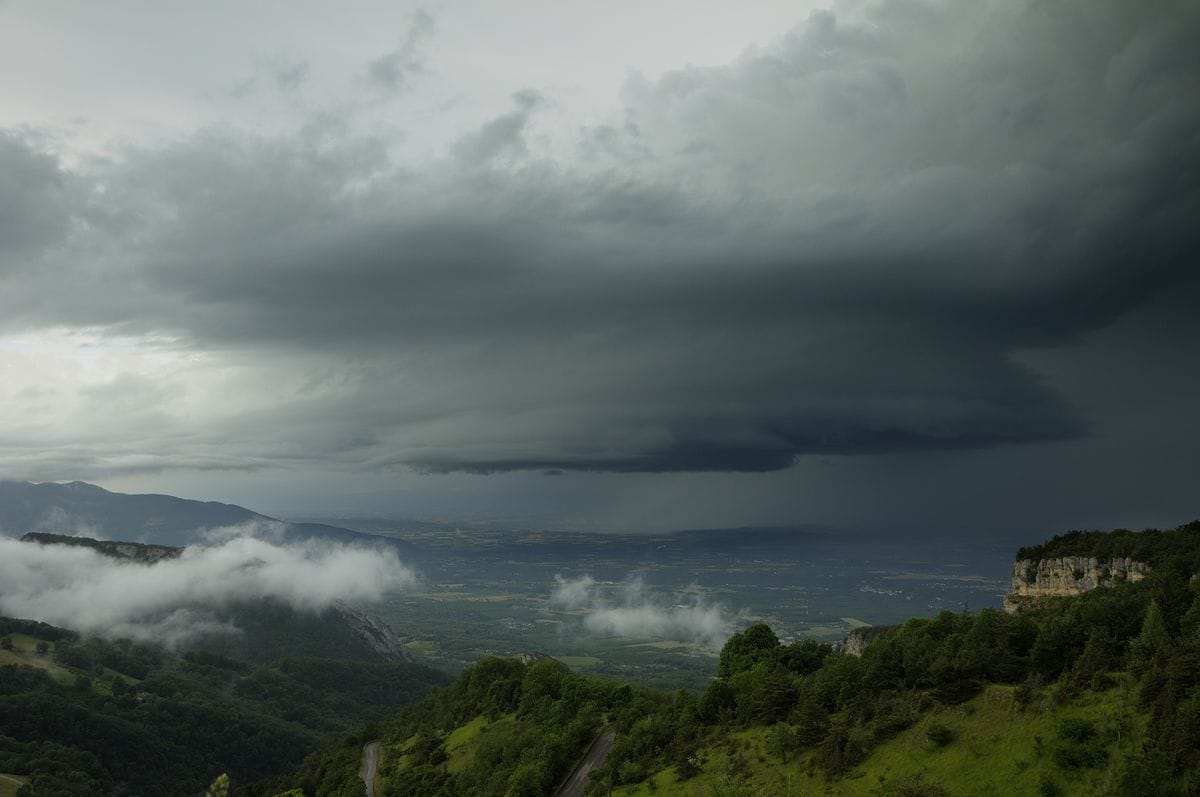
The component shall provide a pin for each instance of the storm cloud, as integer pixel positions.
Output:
(840, 243)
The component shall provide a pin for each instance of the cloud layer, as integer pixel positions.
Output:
(837, 244)
(639, 613)
(175, 600)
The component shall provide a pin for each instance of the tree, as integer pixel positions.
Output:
(1150, 642)
(756, 644)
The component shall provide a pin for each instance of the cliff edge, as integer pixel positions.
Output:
(1067, 576)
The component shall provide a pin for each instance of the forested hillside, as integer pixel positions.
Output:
(87, 717)
(1098, 694)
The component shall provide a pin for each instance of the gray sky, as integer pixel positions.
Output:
(889, 264)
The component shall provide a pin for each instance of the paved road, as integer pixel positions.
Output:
(369, 765)
(596, 755)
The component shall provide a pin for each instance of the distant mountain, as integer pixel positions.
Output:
(80, 509)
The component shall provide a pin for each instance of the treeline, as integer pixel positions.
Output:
(137, 719)
(1178, 547)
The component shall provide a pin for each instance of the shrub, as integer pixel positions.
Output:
(941, 735)
(1048, 787)
(1080, 745)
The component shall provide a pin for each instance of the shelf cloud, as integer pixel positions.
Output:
(854, 240)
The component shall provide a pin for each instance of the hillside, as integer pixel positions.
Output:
(84, 716)
(85, 510)
(1093, 694)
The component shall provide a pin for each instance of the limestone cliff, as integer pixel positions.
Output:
(1067, 576)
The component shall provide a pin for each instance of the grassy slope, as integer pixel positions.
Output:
(996, 752)
(25, 653)
(459, 744)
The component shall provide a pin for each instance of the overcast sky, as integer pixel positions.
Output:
(621, 265)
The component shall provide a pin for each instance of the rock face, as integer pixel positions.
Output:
(1068, 576)
(857, 640)
(374, 632)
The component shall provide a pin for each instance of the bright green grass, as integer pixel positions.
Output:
(459, 748)
(996, 752)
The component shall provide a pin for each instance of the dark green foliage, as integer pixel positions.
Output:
(1151, 642)
(1049, 787)
(764, 694)
(804, 657)
(742, 651)
(844, 746)
(168, 725)
(810, 720)
(1151, 546)
(1080, 745)
(33, 628)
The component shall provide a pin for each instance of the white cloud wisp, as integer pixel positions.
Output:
(175, 600)
(640, 613)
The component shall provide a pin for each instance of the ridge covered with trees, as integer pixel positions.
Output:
(1179, 547)
(84, 716)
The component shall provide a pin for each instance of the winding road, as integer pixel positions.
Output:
(370, 764)
(595, 756)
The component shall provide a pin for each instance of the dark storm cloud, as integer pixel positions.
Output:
(834, 245)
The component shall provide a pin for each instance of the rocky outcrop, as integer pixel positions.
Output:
(374, 632)
(1068, 576)
(135, 551)
(857, 640)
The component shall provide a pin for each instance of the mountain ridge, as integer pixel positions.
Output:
(80, 509)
